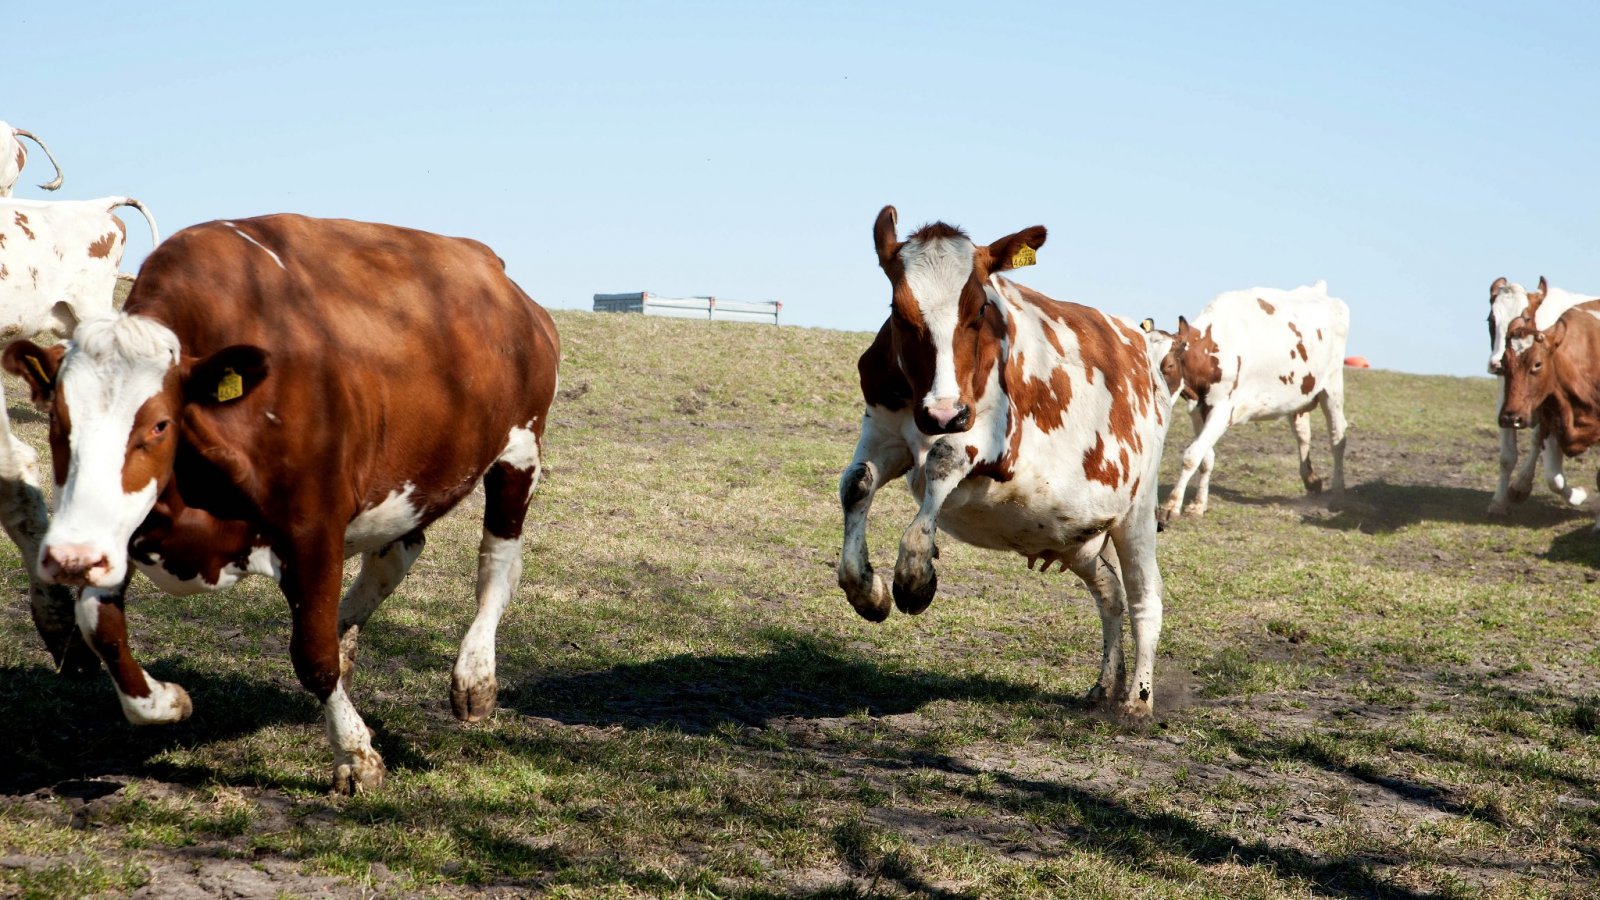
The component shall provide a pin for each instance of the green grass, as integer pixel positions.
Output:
(1395, 699)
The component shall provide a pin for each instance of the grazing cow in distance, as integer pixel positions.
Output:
(1507, 301)
(1260, 354)
(277, 395)
(1552, 381)
(1023, 424)
(58, 266)
(13, 156)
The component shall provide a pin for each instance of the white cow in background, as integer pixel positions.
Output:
(58, 266)
(1507, 301)
(1260, 353)
(13, 156)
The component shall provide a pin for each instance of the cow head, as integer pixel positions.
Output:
(120, 396)
(1506, 302)
(945, 332)
(1193, 362)
(1159, 346)
(1530, 376)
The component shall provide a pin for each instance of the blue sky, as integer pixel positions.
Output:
(1408, 153)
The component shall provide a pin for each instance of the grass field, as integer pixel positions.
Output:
(1399, 699)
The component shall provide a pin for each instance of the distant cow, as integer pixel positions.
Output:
(13, 156)
(1507, 301)
(1024, 424)
(279, 394)
(58, 266)
(1552, 380)
(1260, 354)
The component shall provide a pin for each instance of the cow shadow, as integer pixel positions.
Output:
(1381, 506)
(71, 729)
(795, 677)
(1580, 545)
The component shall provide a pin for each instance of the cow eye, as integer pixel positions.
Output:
(160, 428)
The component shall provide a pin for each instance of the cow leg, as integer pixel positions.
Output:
(1333, 411)
(1135, 541)
(1522, 482)
(1555, 471)
(145, 701)
(1300, 424)
(25, 517)
(1200, 451)
(1499, 504)
(1095, 565)
(507, 486)
(311, 575)
(1202, 483)
(381, 572)
(881, 456)
(915, 580)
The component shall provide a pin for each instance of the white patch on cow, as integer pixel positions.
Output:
(936, 271)
(499, 572)
(1521, 345)
(262, 561)
(50, 282)
(113, 366)
(252, 240)
(522, 448)
(390, 519)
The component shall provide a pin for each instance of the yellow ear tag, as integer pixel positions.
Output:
(38, 368)
(1024, 257)
(231, 387)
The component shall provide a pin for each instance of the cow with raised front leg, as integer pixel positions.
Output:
(1262, 353)
(280, 394)
(1507, 302)
(1022, 424)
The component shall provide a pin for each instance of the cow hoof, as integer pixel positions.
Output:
(1195, 511)
(914, 587)
(474, 702)
(1313, 486)
(167, 703)
(1164, 516)
(1497, 510)
(1135, 714)
(1518, 494)
(362, 771)
(873, 604)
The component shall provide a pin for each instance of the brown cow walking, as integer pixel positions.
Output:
(279, 394)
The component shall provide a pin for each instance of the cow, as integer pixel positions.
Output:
(277, 395)
(13, 156)
(1260, 353)
(58, 266)
(1507, 301)
(1023, 424)
(1552, 381)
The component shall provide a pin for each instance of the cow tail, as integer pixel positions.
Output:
(155, 237)
(21, 132)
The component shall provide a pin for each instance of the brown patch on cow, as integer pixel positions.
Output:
(22, 157)
(1286, 379)
(1299, 346)
(33, 273)
(3, 271)
(506, 489)
(882, 382)
(22, 223)
(2, 241)
(110, 635)
(1095, 466)
(972, 453)
(1266, 307)
(100, 247)
(1319, 334)
(937, 231)
(1308, 383)
(1199, 361)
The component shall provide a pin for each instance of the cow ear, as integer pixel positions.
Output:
(883, 235)
(1556, 333)
(36, 365)
(1497, 287)
(1184, 327)
(1535, 298)
(1543, 288)
(225, 376)
(1016, 250)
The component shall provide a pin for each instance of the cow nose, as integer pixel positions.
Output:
(950, 416)
(1496, 367)
(72, 564)
(1509, 420)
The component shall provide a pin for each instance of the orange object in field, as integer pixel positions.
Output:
(1357, 362)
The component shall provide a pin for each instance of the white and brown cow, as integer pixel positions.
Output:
(1508, 301)
(58, 266)
(1552, 383)
(279, 394)
(1023, 424)
(13, 156)
(1261, 353)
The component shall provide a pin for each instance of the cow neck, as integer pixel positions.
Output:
(1575, 403)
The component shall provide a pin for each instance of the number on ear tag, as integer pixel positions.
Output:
(230, 387)
(1023, 257)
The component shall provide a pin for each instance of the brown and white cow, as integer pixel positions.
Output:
(279, 394)
(1023, 424)
(1261, 353)
(58, 266)
(1552, 381)
(13, 156)
(1545, 304)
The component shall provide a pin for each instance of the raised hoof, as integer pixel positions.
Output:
(361, 772)
(165, 704)
(914, 588)
(873, 604)
(1136, 714)
(1313, 486)
(1518, 494)
(476, 702)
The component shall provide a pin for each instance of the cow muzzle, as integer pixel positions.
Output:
(1497, 367)
(947, 417)
(1512, 420)
(78, 565)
